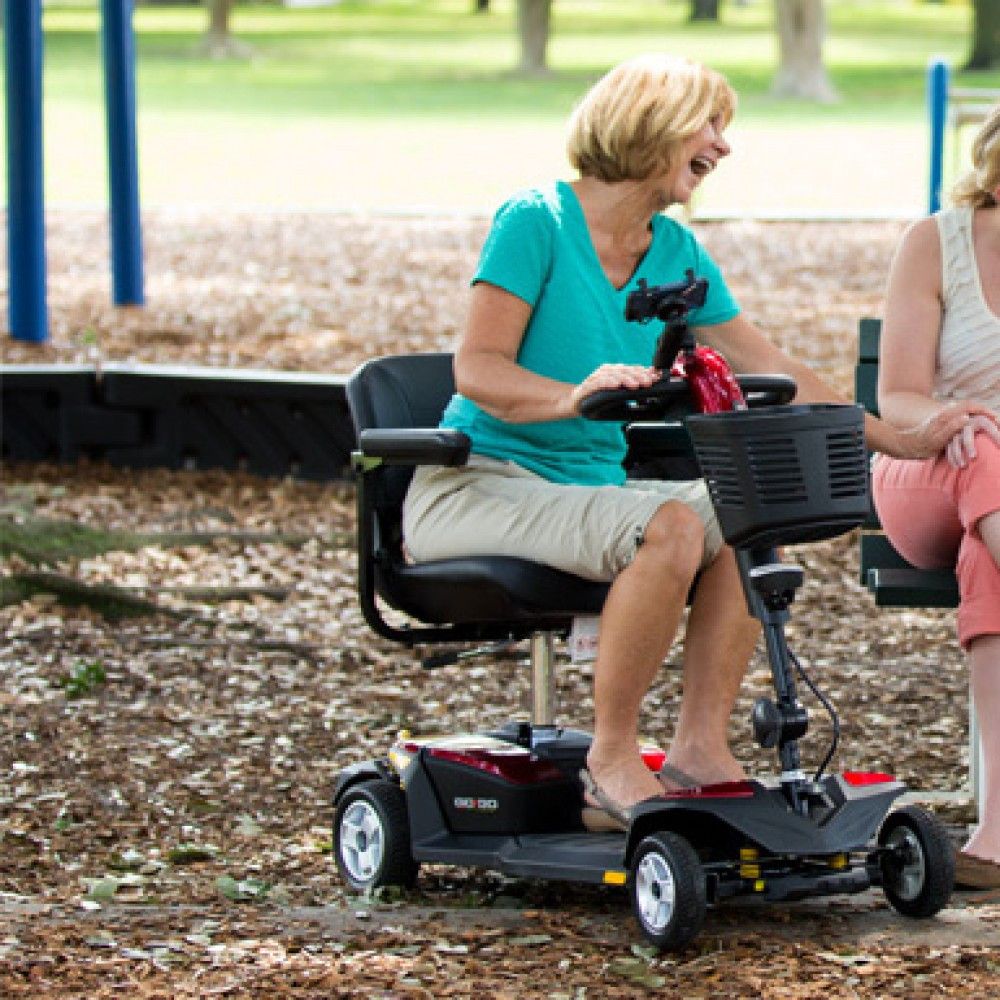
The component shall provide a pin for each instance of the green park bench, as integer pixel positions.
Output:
(893, 581)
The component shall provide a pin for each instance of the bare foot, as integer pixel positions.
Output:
(623, 777)
(983, 846)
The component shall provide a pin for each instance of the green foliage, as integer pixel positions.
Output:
(434, 57)
(84, 679)
(192, 854)
(41, 541)
(248, 890)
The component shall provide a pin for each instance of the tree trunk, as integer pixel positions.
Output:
(801, 25)
(985, 35)
(218, 19)
(533, 20)
(704, 10)
(218, 42)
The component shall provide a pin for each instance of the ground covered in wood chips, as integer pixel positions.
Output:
(164, 809)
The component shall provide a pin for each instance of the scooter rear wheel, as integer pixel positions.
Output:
(917, 862)
(371, 837)
(667, 888)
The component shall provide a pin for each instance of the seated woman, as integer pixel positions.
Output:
(941, 348)
(545, 329)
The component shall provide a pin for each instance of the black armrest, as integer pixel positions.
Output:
(415, 445)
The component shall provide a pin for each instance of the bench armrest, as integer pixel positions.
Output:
(415, 446)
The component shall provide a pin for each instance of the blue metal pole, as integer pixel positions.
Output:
(27, 310)
(118, 44)
(937, 106)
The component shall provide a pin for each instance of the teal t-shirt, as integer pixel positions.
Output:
(540, 250)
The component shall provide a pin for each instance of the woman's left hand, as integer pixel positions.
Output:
(961, 449)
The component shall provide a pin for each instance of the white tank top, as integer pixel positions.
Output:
(969, 347)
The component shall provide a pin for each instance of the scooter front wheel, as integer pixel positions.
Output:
(667, 888)
(371, 837)
(917, 862)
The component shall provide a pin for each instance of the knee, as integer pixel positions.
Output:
(675, 537)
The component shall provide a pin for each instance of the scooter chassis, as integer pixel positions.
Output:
(749, 841)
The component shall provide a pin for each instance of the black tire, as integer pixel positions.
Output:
(371, 837)
(917, 862)
(667, 887)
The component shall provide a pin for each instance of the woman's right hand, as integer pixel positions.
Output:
(612, 377)
(936, 432)
(961, 449)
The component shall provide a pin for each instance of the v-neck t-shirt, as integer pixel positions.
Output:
(540, 249)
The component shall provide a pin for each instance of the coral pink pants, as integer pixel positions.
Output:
(931, 512)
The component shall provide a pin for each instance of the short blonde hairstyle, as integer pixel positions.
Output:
(630, 123)
(977, 187)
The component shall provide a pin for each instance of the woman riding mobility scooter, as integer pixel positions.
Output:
(511, 800)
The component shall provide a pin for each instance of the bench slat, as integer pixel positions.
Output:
(897, 587)
(893, 581)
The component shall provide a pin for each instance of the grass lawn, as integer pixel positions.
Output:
(411, 104)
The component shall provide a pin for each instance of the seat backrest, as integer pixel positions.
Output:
(398, 391)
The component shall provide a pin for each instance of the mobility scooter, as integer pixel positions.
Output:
(511, 800)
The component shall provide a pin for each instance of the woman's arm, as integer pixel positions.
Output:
(911, 328)
(487, 372)
(911, 334)
(748, 350)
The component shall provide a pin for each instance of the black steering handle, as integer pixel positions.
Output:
(670, 398)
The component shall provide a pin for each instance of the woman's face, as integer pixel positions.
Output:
(697, 157)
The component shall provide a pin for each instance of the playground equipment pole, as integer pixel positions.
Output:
(118, 43)
(27, 310)
(937, 106)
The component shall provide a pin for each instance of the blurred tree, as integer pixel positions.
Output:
(481, 7)
(219, 42)
(704, 10)
(801, 25)
(985, 35)
(534, 18)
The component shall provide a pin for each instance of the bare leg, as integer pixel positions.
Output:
(640, 618)
(984, 658)
(721, 635)
(984, 663)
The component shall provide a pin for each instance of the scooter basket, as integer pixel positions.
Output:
(784, 474)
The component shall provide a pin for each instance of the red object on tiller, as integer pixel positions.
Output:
(713, 385)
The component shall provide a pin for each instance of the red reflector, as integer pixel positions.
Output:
(860, 778)
(722, 790)
(654, 758)
(515, 766)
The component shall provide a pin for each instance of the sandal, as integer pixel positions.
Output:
(607, 815)
(679, 779)
(972, 872)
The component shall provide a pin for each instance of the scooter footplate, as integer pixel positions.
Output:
(572, 857)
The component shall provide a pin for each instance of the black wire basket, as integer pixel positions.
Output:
(784, 474)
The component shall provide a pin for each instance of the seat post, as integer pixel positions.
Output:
(542, 680)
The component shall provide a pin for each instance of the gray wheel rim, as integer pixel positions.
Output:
(909, 879)
(362, 841)
(655, 891)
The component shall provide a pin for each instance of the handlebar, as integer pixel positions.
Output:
(670, 398)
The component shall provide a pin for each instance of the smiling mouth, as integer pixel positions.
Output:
(701, 166)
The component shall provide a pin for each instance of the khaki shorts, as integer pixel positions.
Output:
(489, 507)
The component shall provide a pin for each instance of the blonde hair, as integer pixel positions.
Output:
(630, 123)
(977, 187)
